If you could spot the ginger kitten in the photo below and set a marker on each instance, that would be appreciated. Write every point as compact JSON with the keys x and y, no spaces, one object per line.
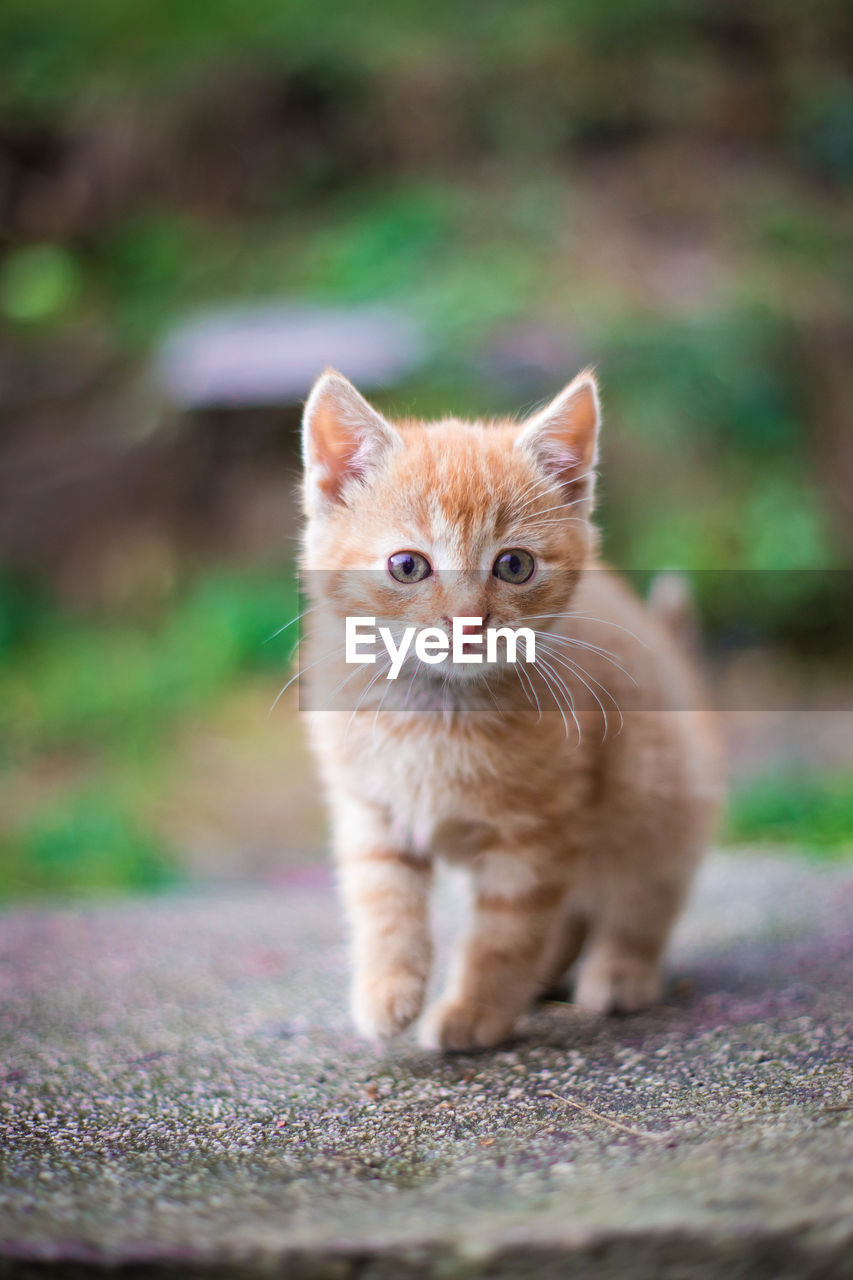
{"x":577,"y":792}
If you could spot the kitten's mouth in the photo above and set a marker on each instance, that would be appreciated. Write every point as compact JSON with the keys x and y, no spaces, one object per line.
{"x":467,"y":673}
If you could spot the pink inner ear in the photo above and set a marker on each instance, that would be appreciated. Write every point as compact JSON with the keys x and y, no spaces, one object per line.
{"x":344,"y":437}
{"x":347,"y":460}
{"x":558,"y":458}
{"x":361,"y":457}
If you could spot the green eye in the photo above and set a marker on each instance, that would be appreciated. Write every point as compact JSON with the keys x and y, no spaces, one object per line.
{"x":409,"y":566}
{"x":514,"y":565}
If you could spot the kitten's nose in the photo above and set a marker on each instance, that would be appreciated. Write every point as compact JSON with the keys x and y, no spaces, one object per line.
{"x":468,"y":628}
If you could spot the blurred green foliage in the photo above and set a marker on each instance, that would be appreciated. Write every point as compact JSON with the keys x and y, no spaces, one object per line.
{"x":718,"y":394}
{"x":38,"y":284}
{"x":55,"y":52}
{"x":813,"y":812}
{"x":106,"y":697}
{"x":88,"y":842}
{"x":76,"y":682}
{"x":461,"y":261}
{"x":445,"y":154}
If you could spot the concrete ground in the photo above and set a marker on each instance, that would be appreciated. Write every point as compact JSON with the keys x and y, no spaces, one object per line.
{"x":181,"y":1095}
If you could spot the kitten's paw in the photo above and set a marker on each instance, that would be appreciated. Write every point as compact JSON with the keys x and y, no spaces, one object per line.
{"x":383,"y":1007}
{"x":623,"y":988}
{"x":454,"y":1025}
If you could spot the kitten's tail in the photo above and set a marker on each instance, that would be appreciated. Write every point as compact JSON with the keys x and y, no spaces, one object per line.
{"x":671,"y":600}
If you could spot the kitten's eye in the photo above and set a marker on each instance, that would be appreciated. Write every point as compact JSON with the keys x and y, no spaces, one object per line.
{"x":409,"y":566}
{"x":514,"y":565}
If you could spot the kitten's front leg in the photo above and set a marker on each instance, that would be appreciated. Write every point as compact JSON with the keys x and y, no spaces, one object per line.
{"x":500,"y":969}
{"x":386,"y":895}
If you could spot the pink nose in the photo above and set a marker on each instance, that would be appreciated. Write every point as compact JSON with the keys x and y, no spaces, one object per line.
{"x":469,"y":628}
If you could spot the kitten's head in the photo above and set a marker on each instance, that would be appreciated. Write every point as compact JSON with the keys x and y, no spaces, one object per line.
{"x":429,"y":521}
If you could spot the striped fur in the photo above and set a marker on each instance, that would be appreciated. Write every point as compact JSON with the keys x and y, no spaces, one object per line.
{"x":573,"y":839}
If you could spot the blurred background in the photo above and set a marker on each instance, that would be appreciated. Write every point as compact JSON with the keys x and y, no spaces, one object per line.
{"x":459,"y":204}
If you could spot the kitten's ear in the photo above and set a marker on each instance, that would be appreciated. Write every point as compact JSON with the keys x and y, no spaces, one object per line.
{"x":563,"y":437}
{"x":342,"y":438}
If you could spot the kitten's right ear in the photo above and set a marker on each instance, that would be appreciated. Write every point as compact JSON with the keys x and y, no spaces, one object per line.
{"x":563,"y":437}
{"x":342,"y":439}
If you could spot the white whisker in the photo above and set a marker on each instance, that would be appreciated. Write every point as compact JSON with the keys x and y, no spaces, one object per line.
{"x":563,"y":506}
{"x":581,"y":673}
{"x":591,"y":648}
{"x":571,"y":702}
{"x":551,"y":521}
{"x":344,"y":682}
{"x":298,"y":617}
{"x":388,"y":684}
{"x":550,"y":486}
{"x":334,"y":652}
{"x":550,"y":689}
{"x":587,"y":617}
{"x":365,"y":691}
{"x":528,"y":681}
{"x":411,"y":683}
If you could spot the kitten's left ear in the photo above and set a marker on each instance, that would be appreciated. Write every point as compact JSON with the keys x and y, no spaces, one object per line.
{"x":343,"y":438}
{"x":563,"y":437}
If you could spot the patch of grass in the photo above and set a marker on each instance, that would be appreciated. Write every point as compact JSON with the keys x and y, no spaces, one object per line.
{"x":87,"y":710}
{"x":99,"y":684}
{"x":85,"y":842}
{"x":459,"y":258}
{"x":813,"y":812}
{"x":721,"y":377}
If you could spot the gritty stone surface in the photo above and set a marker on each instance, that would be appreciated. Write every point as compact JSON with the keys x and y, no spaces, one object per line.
{"x":182,"y":1095}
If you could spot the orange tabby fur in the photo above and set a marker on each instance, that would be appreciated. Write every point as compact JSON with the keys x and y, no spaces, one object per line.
{"x":575,"y":848}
